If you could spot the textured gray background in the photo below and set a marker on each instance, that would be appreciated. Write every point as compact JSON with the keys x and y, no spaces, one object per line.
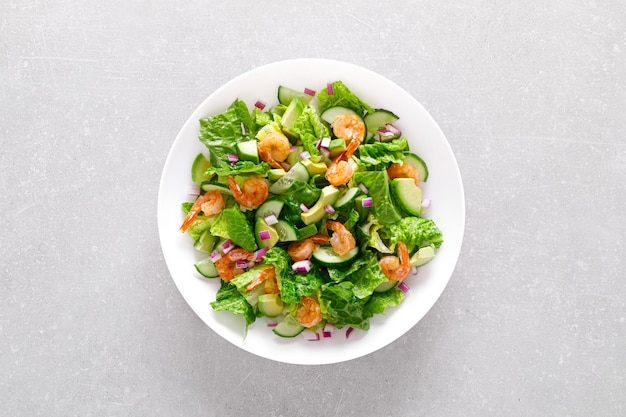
{"x":531,"y":97}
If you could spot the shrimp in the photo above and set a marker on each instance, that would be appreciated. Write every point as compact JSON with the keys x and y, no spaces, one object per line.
{"x":339,"y":172}
{"x":342,"y":240}
{"x":309,"y":312}
{"x":252,"y":193}
{"x":403,"y":171}
{"x":267,"y":274}
{"x":303,"y":249}
{"x":270,"y":286}
{"x":396,"y":268}
{"x":209,"y":203}
{"x":274,"y":148}
{"x":227,"y":264}
{"x":349,"y":128}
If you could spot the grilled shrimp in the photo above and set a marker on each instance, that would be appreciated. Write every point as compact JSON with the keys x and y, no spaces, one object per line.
{"x":274,"y":148}
{"x":252,"y":193}
{"x":396,"y":268}
{"x":309,"y":312}
{"x":403,"y":171}
{"x":227,"y":264}
{"x":303,"y":249}
{"x":210,"y":203}
{"x":342,"y":240}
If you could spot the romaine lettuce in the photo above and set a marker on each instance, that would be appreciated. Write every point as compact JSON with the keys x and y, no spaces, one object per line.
{"x":279,"y":258}
{"x":415,"y":232}
{"x":295,"y":285}
{"x":310,"y":129}
{"x":341,"y":307}
{"x":368,"y":277}
{"x":381,"y":300}
{"x":228,"y":298}
{"x":383,"y":152}
{"x":378,"y":184}
{"x":241,"y":167}
{"x":232,"y":224}
{"x":342,"y":96}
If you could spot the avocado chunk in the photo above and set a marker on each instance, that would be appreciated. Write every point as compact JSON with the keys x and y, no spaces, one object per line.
{"x":248,"y":151}
{"x":422,"y":256}
{"x":262,"y":226}
{"x":336,"y":147}
{"x":328,"y":197}
{"x":270,"y":305}
{"x":314,"y":168}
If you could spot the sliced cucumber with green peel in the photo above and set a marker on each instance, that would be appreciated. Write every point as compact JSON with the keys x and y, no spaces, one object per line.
{"x":207,"y":268}
{"x":348,"y":197}
{"x":329,"y":115}
{"x":272,"y":206}
{"x":294,"y":157}
{"x":288,"y":327}
{"x":325,"y":255}
{"x":198,"y":168}
{"x":286,"y":95}
{"x":248,"y":151}
{"x":418,"y":163}
{"x":378,"y":120}
{"x":206,"y":242}
{"x":275,"y":174}
{"x":293,"y":111}
{"x":407,"y":195}
{"x":385,"y":286}
{"x":286,"y":231}
{"x":298,"y":172}
{"x":216,"y":186}
{"x":270,"y":305}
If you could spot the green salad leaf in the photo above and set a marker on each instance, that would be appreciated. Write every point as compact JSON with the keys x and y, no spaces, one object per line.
{"x":241,"y":167}
{"x":228,"y":298}
{"x":221,"y":132}
{"x":244,"y":279}
{"x":340,"y":274}
{"x":280,"y":259}
{"x":379,"y":301}
{"x":383,"y":152}
{"x":378,"y":184}
{"x":368,"y":277}
{"x":294,"y":286}
{"x":310,"y":129}
{"x":344,"y":97}
{"x":232,"y":224}
{"x":341,"y":307}
{"x":415,"y":232}
{"x":199,"y":225}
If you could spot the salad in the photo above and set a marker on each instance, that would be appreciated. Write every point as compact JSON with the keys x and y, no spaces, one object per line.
{"x":310,"y":211}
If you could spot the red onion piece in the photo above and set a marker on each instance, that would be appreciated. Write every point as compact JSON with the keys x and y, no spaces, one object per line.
{"x":193,"y":189}
{"x":367,"y":202}
{"x":363,"y":188}
{"x":304,"y":208}
{"x":391,"y":128}
{"x":305,"y":155}
{"x":349,"y":332}
{"x":311,"y":336}
{"x":242,"y":263}
{"x":325,"y":142}
{"x":325,"y":152}
{"x":232,"y":157}
{"x":309,"y":92}
{"x":426,"y":203}
{"x":215,"y":256}
{"x":264,"y":234}
{"x":272,"y":322}
{"x":271,"y":219}
{"x":403,"y":287}
{"x":260,"y":253}
{"x":329,"y":209}
{"x":293,"y":149}
{"x":329,"y":89}
{"x":259,"y":105}
{"x":302,"y":266}
{"x":318,"y":145}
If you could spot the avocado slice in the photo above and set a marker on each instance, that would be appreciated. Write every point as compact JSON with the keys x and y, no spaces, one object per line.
{"x":328,"y":197}
{"x":260,"y":226}
{"x":314,"y":168}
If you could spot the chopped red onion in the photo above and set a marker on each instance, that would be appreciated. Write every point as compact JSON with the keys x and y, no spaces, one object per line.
{"x":414,"y":270}
{"x":227,"y":246}
{"x":232,"y":157}
{"x":305,"y":155}
{"x":391,"y":128}
{"x":349,"y":331}
{"x":271,"y":219}
{"x":304,"y":208}
{"x":325,"y":152}
{"x":215,"y":256}
{"x":329,"y":327}
{"x":385,"y":133}
{"x":309,"y":92}
{"x":260,"y":253}
{"x":293,"y":149}
{"x":311,"y":336}
{"x":426,"y":203}
{"x":272,"y":322}
{"x":285,"y":166}
{"x":242,"y":263}
{"x":329,"y":209}
{"x":363,"y":188}
{"x":329,"y":89}
{"x":302,"y":266}
{"x":259,"y":105}
{"x":367,"y":202}
{"x":318,"y":145}
{"x":403,"y":287}
{"x":325,"y":142}
{"x":264,"y":234}
{"x":327,"y":335}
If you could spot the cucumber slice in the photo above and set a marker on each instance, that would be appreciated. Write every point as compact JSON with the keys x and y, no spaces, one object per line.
{"x":275,"y":174}
{"x":325,"y":255}
{"x":216,"y":186}
{"x":207,"y":268}
{"x":306,"y":231}
{"x":418,"y":163}
{"x":298,"y":172}
{"x":348,"y":197}
{"x":407,"y":195}
{"x":198,"y":168}
{"x":206,"y":242}
{"x":378,"y":120}
{"x":422,"y":256}
{"x":286,"y":231}
{"x":272,"y":206}
{"x":288,"y":327}
{"x":270,"y":305}
{"x":261,"y":226}
{"x":286,"y":95}
{"x":248,"y":151}
{"x":293,"y":111}
{"x":294,"y":157}
{"x":329,"y":115}
{"x":385,"y":286}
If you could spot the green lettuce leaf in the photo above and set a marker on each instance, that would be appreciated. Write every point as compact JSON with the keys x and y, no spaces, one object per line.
{"x":186,"y":206}
{"x":295,"y":285}
{"x":341,"y":307}
{"x":241,"y":167}
{"x":244,"y":279}
{"x":199,"y":225}
{"x":310,"y":129}
{"x":221,"y":132}
{"x":378,"y":184}
{"x":298,"y":193}
{"x":228,"y":298}
{"x":415,"y":232}
{"x":383,"y":152}
{"x":381,"y":300}
{"x":368,"y":277}
{"x":342,"y":96}
{"x":340,"y":274}
{"x":239,"y":229}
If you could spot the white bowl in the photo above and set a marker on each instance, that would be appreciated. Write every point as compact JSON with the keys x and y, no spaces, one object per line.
{"x":444,"y":187}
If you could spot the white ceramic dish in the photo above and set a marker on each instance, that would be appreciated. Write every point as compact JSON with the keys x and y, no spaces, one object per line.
{"x":444,"y":187}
